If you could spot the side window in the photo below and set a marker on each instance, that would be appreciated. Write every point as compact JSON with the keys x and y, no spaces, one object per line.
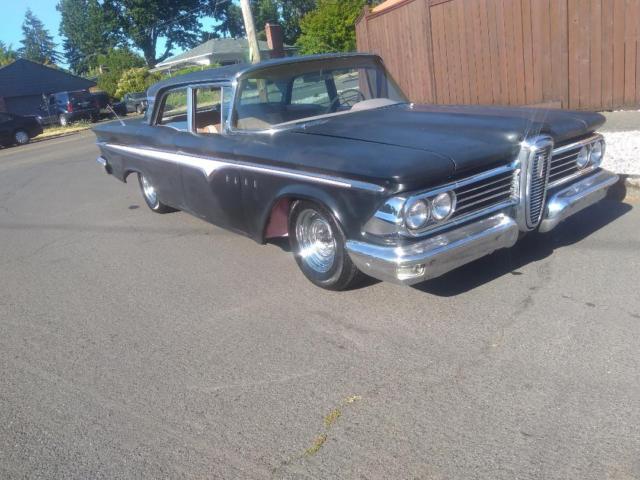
{"x":208,"y":107}
{"x":310,"y":91}
{"x":261,"y":91}
{"x":173,"y":112}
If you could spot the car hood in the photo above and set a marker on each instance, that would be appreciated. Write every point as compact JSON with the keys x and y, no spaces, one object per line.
{"x":472,"y":137}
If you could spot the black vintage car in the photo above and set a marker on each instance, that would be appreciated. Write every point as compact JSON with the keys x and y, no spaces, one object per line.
{"x":17,"y":130}
{"x":135,"y":102}
{"x":328,"y":151}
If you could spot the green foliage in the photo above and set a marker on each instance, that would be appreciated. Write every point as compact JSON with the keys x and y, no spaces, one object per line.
{"x":37,"y":44}
{"x":285,"y":12}
{"x":143,"y":22}
{"x":330,"y":27}
{"x":7,"y":54}
{"x":135,"y":80}
{"x":185,"y":70}
{"x":112,"y":65}
{"x":88,"y":29}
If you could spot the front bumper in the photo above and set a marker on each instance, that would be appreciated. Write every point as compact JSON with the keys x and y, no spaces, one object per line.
{"x":441,"y":253}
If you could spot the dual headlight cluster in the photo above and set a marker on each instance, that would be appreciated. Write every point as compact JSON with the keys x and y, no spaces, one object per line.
{"x":422,"y":211}
{"x":591,"y":155}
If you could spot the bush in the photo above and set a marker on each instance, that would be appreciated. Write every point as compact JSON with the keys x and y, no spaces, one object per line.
{"x":136,"y":80}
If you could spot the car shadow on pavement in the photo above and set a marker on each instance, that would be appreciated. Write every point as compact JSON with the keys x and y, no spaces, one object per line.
{"x":531,"y":248}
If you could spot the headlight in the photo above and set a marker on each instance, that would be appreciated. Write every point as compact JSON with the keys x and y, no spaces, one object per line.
{"x":583,"y":157}
{"x":442,"y":206}
{"x":417,"y":214}
{"x":597,"y":152}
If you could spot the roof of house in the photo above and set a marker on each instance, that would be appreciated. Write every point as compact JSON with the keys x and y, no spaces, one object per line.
{"x":216,"y":46}
{"x":231,"y":72}
{"x":24,"y":77}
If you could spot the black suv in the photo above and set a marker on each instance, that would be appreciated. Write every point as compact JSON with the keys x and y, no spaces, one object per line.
{"x":136,"y":102}
{"x":66,"y":107}
{"x":17,"y":130}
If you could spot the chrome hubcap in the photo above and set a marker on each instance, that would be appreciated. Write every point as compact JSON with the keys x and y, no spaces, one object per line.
{"x":148,"y":191}
{"x":22,"y":137}
{"x":316,"y":241}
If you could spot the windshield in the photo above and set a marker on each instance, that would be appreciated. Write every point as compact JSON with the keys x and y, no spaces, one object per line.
{"x":308,"y":90}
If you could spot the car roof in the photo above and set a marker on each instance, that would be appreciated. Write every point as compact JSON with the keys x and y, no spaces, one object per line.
{"x":231,"y":72}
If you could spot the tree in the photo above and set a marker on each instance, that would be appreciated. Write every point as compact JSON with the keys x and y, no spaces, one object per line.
{"x":89,"y":29}
{"x":292,"y":13}
{"x":7,"y":54}
{"x":144,"y":22}
{"x":136,"y":80}
{"x":37,"y":44}
{"x":112,"y":65}
{"x":330,"y":27}
{"x":285,"y":12}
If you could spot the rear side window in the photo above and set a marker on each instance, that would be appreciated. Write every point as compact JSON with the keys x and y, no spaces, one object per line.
{"x":173,"y":110}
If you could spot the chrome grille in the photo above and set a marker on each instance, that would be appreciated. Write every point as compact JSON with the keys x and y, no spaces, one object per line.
{"x":563,"y":162}
{"x":564,"y":165}
{"x":538,"y":172}
{"x":484,"y":193}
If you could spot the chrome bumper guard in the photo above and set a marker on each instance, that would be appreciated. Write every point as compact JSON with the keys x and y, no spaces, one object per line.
{"x":104,"y":164}
{"x":437,"y":255}
{"x":577,"y":196}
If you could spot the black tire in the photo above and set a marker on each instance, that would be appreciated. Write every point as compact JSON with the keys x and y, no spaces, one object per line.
{"x":139,"y":109}
{"x":21,"y":137}
{"x":342,"y":274}
{"x":153,"y":202}
{"x":63,"y":121}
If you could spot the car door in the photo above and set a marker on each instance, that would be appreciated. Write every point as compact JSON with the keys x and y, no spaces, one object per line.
{"x":6,"y":128}
{"x":212,"y":185}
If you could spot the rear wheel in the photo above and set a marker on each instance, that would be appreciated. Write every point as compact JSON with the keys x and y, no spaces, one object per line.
{"x":319,"y":248}
{"x":63,"y":121}
{"x":151,"y":196}
{"x":139,"y":109}
{"x":21,"y":137}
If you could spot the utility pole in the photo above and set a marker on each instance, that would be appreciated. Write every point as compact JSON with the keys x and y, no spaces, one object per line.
{"x":254,"y":49}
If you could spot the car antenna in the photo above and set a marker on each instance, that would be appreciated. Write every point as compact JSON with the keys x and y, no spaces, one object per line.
{"x":114,"y":112}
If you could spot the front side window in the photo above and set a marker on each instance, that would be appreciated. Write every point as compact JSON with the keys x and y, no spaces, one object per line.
{"x":300,"y":91}
{"x":208,"y":110}
{"x":173,"y":111}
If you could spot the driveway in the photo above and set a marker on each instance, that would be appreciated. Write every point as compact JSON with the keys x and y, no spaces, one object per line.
{"x":136,"y":345}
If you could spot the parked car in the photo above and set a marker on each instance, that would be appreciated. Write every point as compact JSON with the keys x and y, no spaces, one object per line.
{"x":18,"y":130}
{"x":328,"y":152}
{"x":66,"y":107}
{"x":108,"y":106}
{"x":136,"y":102}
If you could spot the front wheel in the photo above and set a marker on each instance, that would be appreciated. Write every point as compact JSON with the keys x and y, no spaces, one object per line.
{"x":151,"y":196}
{"x":21,"y":137}
{"x":319,"y":248}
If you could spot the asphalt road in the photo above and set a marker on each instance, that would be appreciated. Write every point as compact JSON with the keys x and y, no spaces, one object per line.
{"x":136,"y":345}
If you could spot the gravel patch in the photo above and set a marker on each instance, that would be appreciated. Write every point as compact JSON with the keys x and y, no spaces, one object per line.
{"x":623,"y":152}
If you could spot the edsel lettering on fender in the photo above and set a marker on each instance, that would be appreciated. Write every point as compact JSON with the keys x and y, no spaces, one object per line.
{"x":327,"y":151}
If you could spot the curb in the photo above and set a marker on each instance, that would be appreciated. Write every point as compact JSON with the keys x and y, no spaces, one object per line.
{"x":60,"y":135}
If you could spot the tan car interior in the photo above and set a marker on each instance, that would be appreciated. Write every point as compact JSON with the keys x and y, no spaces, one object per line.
{"x":208,"y":121}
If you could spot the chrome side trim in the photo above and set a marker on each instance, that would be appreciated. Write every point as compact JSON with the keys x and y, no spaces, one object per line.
{"x":210,"y":165}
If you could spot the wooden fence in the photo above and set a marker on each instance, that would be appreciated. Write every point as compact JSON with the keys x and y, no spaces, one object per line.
{"x":579,"y":54}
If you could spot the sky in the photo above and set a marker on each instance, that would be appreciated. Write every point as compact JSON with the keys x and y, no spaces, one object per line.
{"x":13,"y":15}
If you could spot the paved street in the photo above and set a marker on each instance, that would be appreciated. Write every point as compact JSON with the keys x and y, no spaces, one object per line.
{"x":136,"y":345}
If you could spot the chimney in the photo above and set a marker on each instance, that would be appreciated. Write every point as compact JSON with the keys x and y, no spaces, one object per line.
{"x":274,"y":39}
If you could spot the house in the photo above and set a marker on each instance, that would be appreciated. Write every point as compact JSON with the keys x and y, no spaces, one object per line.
{"x":228,"y":51}
{"x":23,"y":83}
